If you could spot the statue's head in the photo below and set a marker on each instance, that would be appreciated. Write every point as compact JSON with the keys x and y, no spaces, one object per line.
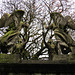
{"x":68,"y":18}
{"x":19,"y":13}
{"x":4,"y":19}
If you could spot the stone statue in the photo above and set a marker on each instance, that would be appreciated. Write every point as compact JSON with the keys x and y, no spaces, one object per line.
{"x":60,"y":25}
{"x":10,"y":38}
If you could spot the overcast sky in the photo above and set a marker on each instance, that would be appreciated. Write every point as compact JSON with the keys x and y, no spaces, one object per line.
{"x":70,"y":2}
{"x":0,"y":2}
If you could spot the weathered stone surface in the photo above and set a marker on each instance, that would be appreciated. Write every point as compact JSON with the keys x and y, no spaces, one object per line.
{"x":58,"y":59}
{"x":9,"y":58}
{"x":61,"y":57}
{"x":69,"y":59}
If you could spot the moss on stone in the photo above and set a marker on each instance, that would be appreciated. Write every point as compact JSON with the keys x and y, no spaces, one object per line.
{"x":6,"y":35}
{"x":9,"y":58}
{"x":11,"y":26}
